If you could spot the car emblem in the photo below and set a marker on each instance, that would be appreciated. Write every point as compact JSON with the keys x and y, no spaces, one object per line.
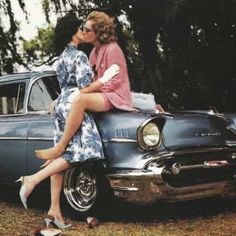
{"x":175,"y":168}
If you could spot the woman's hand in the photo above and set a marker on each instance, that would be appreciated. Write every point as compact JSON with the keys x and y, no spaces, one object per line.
{"x":109,"y":73}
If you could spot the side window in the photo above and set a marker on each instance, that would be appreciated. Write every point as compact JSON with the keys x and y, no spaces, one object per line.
{"x":12,"y":98}
{"x":43,"y":92}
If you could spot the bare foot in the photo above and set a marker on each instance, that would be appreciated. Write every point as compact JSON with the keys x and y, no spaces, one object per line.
{"x":50,"y":153}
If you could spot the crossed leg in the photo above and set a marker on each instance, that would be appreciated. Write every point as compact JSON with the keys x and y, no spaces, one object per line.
{"x":94,"y":102}
{"x":56,"y":187}
{"x":31,"y":181}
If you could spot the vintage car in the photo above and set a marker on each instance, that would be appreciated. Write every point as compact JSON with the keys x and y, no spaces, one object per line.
{"x":151,"y":156}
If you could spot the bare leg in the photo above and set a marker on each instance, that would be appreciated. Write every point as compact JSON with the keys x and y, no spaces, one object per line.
{"x":54,"y":167}
{"x":81,"y":103}
{"x":56,"y":186}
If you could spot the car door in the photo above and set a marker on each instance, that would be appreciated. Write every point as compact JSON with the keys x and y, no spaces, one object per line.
{"x":13,"y":130}
{"x":42,"y":91}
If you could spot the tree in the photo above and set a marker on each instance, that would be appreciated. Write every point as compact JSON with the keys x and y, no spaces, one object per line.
{"x":183,"y":51}
{"x":201,"y":45}
{"x":40,"y":50}
{"x":9,"y":38}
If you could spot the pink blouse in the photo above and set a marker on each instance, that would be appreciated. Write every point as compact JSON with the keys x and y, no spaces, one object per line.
{"x":117,"y":89}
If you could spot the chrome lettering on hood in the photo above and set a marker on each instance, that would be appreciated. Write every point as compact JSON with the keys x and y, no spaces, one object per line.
{"x":207,"y":134}
{"x":121,"y":133}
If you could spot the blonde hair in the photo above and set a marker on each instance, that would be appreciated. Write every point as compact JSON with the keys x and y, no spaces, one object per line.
{"x":104,"y":26}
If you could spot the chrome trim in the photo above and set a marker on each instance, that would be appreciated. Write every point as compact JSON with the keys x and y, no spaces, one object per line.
{"x":152,"y":157}
{"x":136,"y":186}
{"x":41,"y":121}
{"x":221,"y":188}
{"x":32,"y":81}
{"x":40,"y":139}
{"x":80,"y":189}
{"x":207,"y":165}
{"x":148,"y":186}
{"x":130,"y":189}
{"x":121,"y":140}
{"x":155,"y":156}
{"x":198,"y":150}
{"x":134,"y":173}
{"x":233,"y":156}
{"x":13,"y":138}
{"x":113,"y":140}
{"x":139,"y":135}
{"x":231,"y":128}
{"x":12,"y":115}
{"x":40,"y":112}
{"x":230,"y":143}
{"x":24,"y":121}
{"x":24,"y":81}
{"x":207,"y":134}
{"x":175,"y":168}
{"x":15,"y":121}
{"x":216,"y":163}
{"x":27,"y":138}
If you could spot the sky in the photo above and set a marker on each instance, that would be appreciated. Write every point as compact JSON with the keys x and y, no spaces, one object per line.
{"x":35,"y":15}
{"x":28,"y":30}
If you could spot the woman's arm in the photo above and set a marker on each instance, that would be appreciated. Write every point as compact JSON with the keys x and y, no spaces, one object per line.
{"x":95,"y":86}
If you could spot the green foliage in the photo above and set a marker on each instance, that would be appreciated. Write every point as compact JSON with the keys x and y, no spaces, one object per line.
{"x":183,"y":51}
{"x":9,"y":38}
{"x":200,"y":46}
{"x":41,"y":46}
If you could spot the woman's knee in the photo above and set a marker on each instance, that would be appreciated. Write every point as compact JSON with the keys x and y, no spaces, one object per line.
{"x":80,"y":100}
{"x":91,"y":102}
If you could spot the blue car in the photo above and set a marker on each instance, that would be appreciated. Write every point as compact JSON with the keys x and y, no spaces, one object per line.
{"x":151,"y":156}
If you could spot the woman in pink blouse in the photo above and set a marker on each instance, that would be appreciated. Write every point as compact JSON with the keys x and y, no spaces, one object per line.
{"x":99,"y":29}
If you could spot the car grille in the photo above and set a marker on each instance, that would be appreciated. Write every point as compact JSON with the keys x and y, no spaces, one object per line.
{"x":199,"y":168}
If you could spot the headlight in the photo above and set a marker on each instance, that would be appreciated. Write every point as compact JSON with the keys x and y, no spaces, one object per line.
{"x":149,"y":136}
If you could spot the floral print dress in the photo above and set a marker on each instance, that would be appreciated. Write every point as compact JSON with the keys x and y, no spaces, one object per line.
{"x":74,"y":72}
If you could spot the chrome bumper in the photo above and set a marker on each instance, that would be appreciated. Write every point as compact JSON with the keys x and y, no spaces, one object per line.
{"x":148,"y":186}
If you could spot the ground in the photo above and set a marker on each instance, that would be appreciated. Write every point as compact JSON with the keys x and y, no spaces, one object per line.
{"x":213,"y":216}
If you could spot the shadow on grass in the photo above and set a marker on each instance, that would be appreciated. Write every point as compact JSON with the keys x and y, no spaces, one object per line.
{"x":170,"y":211}
{"x":113,"y":211}
{"x":162,"y":212}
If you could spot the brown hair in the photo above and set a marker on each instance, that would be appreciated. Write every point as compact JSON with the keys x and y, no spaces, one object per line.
{"x":104,"y":26}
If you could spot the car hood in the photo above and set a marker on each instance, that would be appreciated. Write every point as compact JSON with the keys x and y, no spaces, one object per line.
{"x":185,"y":130}
{"x":196,"y":130}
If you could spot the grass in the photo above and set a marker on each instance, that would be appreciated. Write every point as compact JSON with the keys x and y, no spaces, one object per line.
{"x":214,"y":216}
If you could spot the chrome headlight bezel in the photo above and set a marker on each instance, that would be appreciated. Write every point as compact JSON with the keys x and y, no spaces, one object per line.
{"x":149,"y":136}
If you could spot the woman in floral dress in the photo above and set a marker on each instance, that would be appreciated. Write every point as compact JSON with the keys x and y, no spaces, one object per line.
{"x":74,"y":73}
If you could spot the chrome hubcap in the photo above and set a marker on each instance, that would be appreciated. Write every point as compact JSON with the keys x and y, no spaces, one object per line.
{"x":80,"y":189}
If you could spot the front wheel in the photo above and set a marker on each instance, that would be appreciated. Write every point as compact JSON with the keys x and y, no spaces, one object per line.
{"x":84,"y":187}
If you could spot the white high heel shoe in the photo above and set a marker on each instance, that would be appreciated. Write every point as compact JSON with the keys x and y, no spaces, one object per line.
{"x":22,"y":192}
{"x":49,"y":219}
